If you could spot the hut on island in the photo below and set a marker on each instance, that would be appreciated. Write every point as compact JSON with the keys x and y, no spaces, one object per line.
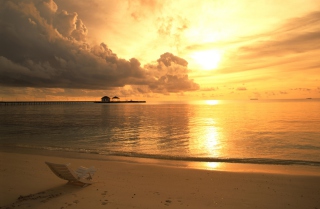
{"x":115,"y":98}
{"x":105,"y":99}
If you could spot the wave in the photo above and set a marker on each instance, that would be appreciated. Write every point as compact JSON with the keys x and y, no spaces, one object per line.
{"x":260,"y":161}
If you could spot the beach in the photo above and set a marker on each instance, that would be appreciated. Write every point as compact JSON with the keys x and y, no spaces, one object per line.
{"x":26,"y":182}
{"x":176,"y":104}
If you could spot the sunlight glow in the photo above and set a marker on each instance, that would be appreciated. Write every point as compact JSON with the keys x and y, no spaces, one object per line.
{"x":207,"y":60}
{"x":212,"y":165}
{"x":206,"y":136}
{"x":212,"y":102}
{"x":211,"y":139}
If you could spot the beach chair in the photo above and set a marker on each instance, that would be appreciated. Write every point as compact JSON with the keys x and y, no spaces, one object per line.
{"x":82,"y":176}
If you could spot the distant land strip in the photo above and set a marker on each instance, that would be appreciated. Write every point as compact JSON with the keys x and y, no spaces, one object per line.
{"x":9,"y":103}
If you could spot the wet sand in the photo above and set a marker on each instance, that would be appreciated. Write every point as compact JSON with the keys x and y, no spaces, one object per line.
{"x":26,"y":182}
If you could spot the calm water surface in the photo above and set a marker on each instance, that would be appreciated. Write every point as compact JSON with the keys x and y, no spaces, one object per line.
{"x":262,"y":132}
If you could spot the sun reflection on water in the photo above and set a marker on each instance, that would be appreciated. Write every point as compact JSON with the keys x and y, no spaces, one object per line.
{"x":212,"y":102}
{"x":206,"y":135}
{"x":211,"y":139}
{"x":212,"y":165}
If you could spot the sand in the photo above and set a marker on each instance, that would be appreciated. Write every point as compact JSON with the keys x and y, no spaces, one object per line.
{"x":26,"y":182}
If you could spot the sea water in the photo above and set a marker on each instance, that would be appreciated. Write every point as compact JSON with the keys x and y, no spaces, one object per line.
{"x":253,"y":131}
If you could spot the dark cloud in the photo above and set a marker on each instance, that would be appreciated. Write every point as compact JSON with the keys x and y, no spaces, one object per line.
{"x":171,"y":75}
{"x":43,"y":47}
{"x":167,"y":59}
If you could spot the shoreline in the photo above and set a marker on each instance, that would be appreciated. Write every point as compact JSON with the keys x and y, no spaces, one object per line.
{"x":122,"y":182}
{"x":200,"y":165}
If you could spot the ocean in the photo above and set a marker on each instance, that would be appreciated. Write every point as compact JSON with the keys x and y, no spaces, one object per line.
{"x":273,"y":132}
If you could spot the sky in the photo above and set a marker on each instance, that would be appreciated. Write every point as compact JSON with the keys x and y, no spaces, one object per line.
{"x":159,"y":49}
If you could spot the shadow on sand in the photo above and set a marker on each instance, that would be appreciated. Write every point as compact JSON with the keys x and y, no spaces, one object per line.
{"x":34,"y":200}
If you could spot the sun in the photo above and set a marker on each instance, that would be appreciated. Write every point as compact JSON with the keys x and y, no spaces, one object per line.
{"x":207,"y":60}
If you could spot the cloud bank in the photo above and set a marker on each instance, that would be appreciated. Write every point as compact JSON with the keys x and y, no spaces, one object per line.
{"x":44,"y":47}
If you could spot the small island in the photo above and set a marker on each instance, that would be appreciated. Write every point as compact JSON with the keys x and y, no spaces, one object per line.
{"x":116,"y":99}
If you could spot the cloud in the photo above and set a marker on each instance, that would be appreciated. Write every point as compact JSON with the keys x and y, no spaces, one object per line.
{"x":173,"y":27}
{"x":42,"y":47}
{"x":171,"y":75}
{"x":297,"y":35}
{"x":301,"y":89}
{"x":241,"y":88}
{"x":292,"y":46}
{"x":168,"y":59}
{"x":139,"y":8}
{"x":297,"y":43}
{"x":283,"y":92}
{"x":210,"y":89}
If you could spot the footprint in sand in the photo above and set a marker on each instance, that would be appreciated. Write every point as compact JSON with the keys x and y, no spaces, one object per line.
{"x":167,"y":202}
{"x":104,"y":202}
{"x":67,"y":204}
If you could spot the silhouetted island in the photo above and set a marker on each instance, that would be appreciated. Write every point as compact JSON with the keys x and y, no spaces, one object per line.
{"x":116,"y":99}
